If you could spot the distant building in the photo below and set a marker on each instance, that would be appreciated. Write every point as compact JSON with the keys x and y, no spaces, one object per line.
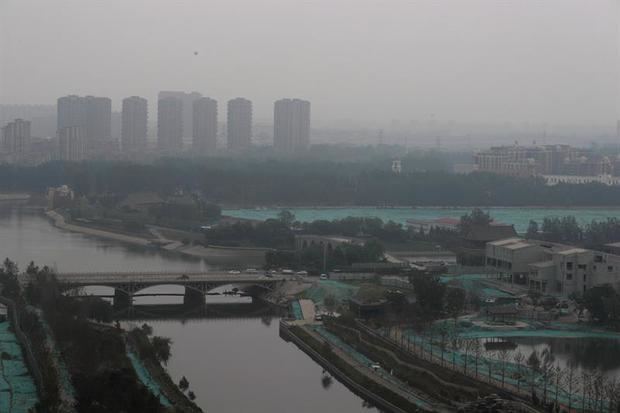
{"x":71,"y":144}
{"x":16,"y":140}
{"x":188,"y":99}
{"x":239,"y":125}
{"x":170,"y":125}
{"x":473,"y":244}
{"x":604,"y":179}
{"x":42,"y":117}
{"x":397,"y":167}
{"x":291,"y":125}
{"x":204,"y":126}
{"x":60,"y":197}
{"x":330,"y":242}
{"x":552,"y":162}
{"x":446,"y":223}
{"x":90,"y":113}
{"x":551,"y":268}
{"x":134,"y":125}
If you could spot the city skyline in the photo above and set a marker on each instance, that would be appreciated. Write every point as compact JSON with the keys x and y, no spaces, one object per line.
{"x":481,"y":60}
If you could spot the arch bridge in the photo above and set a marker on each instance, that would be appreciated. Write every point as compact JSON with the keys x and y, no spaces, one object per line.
{"x":196,"y":284}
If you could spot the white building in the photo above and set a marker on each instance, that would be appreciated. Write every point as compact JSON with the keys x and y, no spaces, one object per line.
{"x":605,"y":179}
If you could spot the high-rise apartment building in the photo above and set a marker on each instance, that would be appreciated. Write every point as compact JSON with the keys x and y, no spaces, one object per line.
{"x":92,"y":114}
{"x":134,"y":125}
{"x":170,"y":124}
{"x":204,"y":126}
{"x":16,"y":140}
{"x":291,"y":125}
{"x":239,"y":126}
{"x":71,"y":144}
{"x":188,"y":99}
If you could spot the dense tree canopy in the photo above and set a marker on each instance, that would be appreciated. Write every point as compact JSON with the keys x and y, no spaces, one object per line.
{"x":303,"y":182}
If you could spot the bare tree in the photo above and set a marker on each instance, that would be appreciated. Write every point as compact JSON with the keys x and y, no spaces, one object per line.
{"x":558,"y":373}
{"x":443,"y":340}
{"x":455,"y":343}
{"x":478,"y":350}
{"x":468,"y":347}
{"x":571,"y":383}
{"x":519,"y":358}
{"x":546,"y":370}
{"x":503,"y":355}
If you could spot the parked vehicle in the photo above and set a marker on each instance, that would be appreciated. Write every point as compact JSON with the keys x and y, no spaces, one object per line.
{"x":234,"y":272}
{"x":302,"y":273}
{"x":323,"y":277}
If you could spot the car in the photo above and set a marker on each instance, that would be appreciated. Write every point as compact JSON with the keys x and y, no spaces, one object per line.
{"x":375,"y":366}
{"x":268,"y":274}
{"x":302,"y":273}
{"x":251,"y":271}
{"x":287,"y":272}
{"x":234,"y":272}
{"x":318,"y":317}
{"x":323,"y":277}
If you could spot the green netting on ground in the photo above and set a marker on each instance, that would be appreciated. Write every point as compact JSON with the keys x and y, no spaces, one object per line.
{"x":504,"y":373}
{"x":365,"y":361}
{"x":296,"y":310}
{"x":146,"y":379}
{"x":339,"y":290}
{"x":18,"y":393}
{"x":475,"y":283}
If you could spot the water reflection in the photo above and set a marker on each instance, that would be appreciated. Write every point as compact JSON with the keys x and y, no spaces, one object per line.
{"x":583,"y":353}
{"x":231,"y":353}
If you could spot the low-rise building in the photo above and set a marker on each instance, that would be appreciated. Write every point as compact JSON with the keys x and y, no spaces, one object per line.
{"x":425,"y":225}
{"x":330,"y":242}
{"x":551,"y":268}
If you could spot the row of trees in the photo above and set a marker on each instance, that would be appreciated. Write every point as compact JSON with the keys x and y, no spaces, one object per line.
{"x":95,"y":357}
{"x":538,"y":374}
{"x":567,"y":229}
{"x":302,"y":182}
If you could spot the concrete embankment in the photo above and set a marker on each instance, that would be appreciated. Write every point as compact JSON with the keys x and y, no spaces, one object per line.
{"x":379,"y":401}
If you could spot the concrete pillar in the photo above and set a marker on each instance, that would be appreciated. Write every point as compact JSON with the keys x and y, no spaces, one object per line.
{"x":193,"y":297}
{"x":122,"y":299}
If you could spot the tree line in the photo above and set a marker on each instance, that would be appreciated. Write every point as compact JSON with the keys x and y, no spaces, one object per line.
{"x":303,"y":182}
{"x":568,"y":230}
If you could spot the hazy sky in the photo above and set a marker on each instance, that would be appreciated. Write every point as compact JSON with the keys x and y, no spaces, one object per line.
{"x":489,"y":60}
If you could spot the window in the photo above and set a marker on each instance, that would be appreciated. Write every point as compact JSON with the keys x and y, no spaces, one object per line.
{"x":569,"y":276}
{"x":584,"y":278}
{"x":610,"y":268}
{"x":582,"y":266}
{"x":569,"y":265}
{"x":598,"y":258}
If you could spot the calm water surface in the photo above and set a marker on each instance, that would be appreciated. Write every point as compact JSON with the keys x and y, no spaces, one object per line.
{"x":232,"y":364}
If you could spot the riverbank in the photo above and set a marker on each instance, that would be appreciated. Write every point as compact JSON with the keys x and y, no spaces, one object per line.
{"x":213,"y":254}
{"x":370,"y":388}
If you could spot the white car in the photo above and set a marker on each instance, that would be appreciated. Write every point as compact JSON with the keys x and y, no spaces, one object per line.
{"x":323,"y":277}
{"x":302,"y":273}
{"x":251,"y":271}
{"x":234,"y":272}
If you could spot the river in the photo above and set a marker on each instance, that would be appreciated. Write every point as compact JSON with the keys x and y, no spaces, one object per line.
{"x":237,"y":364}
